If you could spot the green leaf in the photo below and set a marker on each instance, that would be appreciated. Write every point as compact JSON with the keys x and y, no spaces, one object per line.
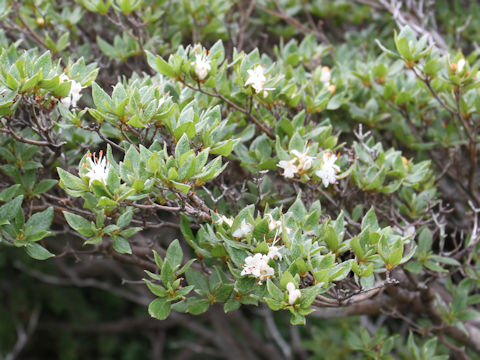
{"x":37,"y":251}
{"x":38,"y":235}
{"x":71,"y":181}
{"x":164,"y":68}
{"x":154,"y":163}
{"x":174,"y":254}
{"x":40,"y":221}
{"x":44,"y":63}
{"x":44,"y":186}
{"x":182,"y":147}
{"x":156,"y":289}
{"x":8,"y":193}
{"x":101,"y":99}
{"x":232,"y":305}
{"x":125,"y":219}
{"x":414,"y":267}
{"x":286,"y":278}
{"x":275,"y":305}
{"x":121,"y":245}
{"x":331,"y":238}
{"x":298,"y":209}
{"x":196,"y":279}
{"x":113,"y":181}
{"x":224,"y":293}
{"x":385,"y":50}
{"x":167,"y":274}
{"x":296,"y":143}
{"x":224,"y":149}
{"x":425,"y":241}
{"x":158,"y":259}
{"x":308,"y":295}
{"x":182,"y":187}
{"x":434,"y":266}
{"x":159,"y":308}
{"x":274,"y":291}
{"x":198,"y":306}
{"x":340,"y":271}
{"x":105,"y":202}
{"x":370,"y":220}
{"x":444,"y":260}
{"x":261,"y":230}
{"x":403,"y":48}
{"x":187,"y":128}
{"x":395,"y":256}
{"x":297,"y":319}
{"x":10,"y":209}
{"x":130,"y":232}
{"x":83,"y":226}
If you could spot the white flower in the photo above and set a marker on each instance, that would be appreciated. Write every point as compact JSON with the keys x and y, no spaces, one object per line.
{"x":328,"y":170}
{"x":274,"y":252}
{"x":257,"y":79}
{"x":304,"y":161}
{"x":301,"y":162}
{"x":293,"y":293}
{"x":272,"y":223}
{"x":244,"y":229}
{"x":202,"y":66}
{"x":75,"y":92}
{"x":461,"y":64}
{"x":98,"y":168}
{"x":224,"y":219}
{"x":257,"y":266}
{"x":325,"y":75}
{"x":290,"y":169}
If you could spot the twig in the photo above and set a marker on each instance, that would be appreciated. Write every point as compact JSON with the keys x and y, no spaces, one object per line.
{"x":232,"y":104}
{"x":24,"y":335}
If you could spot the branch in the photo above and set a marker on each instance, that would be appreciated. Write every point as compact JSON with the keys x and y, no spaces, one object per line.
{"x":23,"y":336}
{"x":252,"y":117}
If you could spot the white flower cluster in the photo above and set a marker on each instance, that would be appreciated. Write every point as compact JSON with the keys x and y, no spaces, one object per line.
{"x":244,"y":229}
{"x":75,"y":92}
{"x":293,"y":293}
{"x":274,"y":252}
{"x":328,"y":170}
{"x":301,"y":163}
{"x":202,"y":66}
{"x":257,"y":265}
{"x":257,"y":79}
{"x":98,"y":168}
{"x":223,"y":219}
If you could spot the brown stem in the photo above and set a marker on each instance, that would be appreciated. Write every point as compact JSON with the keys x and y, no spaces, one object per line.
{"x":37,"y":38}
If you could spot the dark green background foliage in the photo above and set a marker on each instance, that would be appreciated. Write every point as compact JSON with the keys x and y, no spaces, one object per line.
{"x":332,"y":146}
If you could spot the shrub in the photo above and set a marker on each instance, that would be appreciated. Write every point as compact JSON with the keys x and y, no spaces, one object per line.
{"x":265,"y":158}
